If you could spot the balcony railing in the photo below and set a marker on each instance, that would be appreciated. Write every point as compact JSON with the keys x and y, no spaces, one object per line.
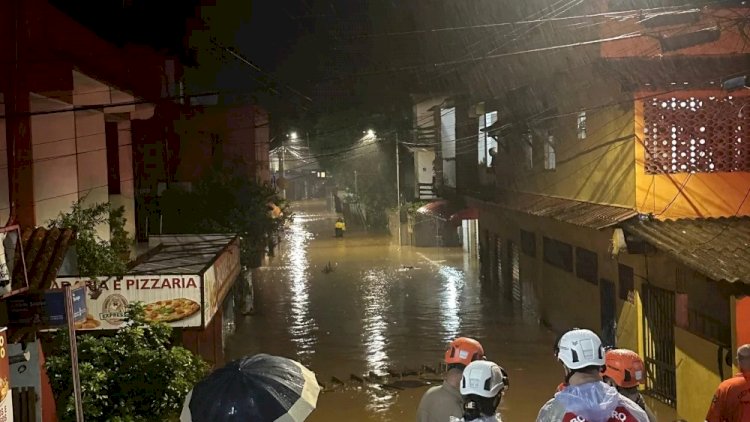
{"x":426,"y":191}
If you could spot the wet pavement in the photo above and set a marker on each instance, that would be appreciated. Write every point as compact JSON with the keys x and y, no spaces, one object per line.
{"x":385,"y":308}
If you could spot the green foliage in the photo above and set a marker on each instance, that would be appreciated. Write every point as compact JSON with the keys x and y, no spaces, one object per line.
{"x":97,"y":257}
{"x":225,"y":203}
{"x":412,"y":207}
{"x":134,"y":375}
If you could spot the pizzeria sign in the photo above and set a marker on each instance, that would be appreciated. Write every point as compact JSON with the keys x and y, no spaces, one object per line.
{"x":173,"y":299}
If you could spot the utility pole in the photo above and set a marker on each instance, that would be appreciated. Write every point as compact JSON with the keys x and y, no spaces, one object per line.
{"x":356,"y":189}
{"x":283,"y":170}
{"x":398,"y":191}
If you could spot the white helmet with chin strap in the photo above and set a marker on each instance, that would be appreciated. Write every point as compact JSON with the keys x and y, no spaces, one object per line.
{"x":580,"y":348}
{"x":483,"y":378}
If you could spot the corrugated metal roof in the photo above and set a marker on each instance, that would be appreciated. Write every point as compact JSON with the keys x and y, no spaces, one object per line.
{"x":719,"y":248}
{"x":579,"y":213}
{"x":182,"y":254}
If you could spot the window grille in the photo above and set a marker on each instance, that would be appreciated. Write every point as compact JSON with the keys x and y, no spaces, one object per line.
{"x":696,"y":134}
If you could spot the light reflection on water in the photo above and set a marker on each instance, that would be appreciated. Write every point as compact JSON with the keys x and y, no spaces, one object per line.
{"x":302,"y":324}
{"x":376,"y":304}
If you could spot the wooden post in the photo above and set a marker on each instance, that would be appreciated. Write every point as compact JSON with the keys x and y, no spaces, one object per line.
{"x":73,"y":351}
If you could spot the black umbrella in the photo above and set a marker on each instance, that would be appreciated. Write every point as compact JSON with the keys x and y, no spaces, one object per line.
{"x":261,"y":388}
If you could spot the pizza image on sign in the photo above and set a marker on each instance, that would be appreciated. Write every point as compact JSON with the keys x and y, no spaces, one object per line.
{"x":171,"y":310}
{"x":89,"y":323}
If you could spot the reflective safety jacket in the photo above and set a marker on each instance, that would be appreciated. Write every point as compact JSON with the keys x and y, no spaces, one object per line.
{"x":591,"y":402}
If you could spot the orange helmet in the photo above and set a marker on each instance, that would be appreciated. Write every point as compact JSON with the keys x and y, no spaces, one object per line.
{"x":625,"y":368}
{"x":463,"y":350}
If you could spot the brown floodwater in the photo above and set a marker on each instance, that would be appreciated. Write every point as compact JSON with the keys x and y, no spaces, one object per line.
{"x":386,"y":308}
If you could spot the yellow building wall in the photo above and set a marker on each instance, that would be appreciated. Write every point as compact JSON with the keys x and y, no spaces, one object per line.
{"x":597,"y":169}
{"x":681,"y":195}
{"x":697,"y":374}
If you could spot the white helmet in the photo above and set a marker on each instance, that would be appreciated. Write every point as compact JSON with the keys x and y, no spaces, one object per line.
{"x":483,"y":378}
{"x":580,"y":348}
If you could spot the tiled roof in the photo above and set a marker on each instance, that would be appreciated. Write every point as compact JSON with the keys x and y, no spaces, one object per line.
{"x":719,"y":248}
{"x":579,"y":213}
{"x":44,"y":251}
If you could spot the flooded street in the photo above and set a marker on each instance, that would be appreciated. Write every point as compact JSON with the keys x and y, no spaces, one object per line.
{"x":385,"y":309}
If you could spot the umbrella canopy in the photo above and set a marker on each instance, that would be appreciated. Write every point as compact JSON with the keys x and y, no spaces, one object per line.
{"x":261,"y":388}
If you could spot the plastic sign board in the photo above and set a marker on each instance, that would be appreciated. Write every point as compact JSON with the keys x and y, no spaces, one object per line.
{"x":6,"y":396}
{"x":173,"y":299}
{"x":45,"y":309}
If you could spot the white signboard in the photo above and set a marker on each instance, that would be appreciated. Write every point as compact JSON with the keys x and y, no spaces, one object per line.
{"x":219,"y":278}
{"x":174,"y":299}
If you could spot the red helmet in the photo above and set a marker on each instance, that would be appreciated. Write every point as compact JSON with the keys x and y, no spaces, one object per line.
{"x":464,"y":350}
{"x":625,"y":368}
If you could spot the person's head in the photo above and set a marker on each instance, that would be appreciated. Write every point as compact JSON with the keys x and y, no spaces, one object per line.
{"x":461,"y":352}
{"x":581,"y":352}
{"x":743,"y":357}
{"x":624,"y":369}
{"x":482,"y":386}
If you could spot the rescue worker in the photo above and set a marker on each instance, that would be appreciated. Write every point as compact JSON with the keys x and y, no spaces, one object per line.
{"x":586,"y":398}
{"x":731,"y":403}
{"x":441,"y":402}
{"x":340,"y":227}
{"x":625,"y":371}
{"x":482,"y":386}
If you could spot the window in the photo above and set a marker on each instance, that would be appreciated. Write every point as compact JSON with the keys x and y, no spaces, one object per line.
{"x":703,"y":307}
{"x":448,"y":145}
{"x":696,"y":134}
{"x":581,"y":125}
{"x":558,"y":254}
{"x":549,"y":153}
{"x":113,"y":157}
{"x":528,"y":243}
{"x":486,"y":142}
{"x":528,"y":150}
{"x":587,"y":265}
{"x":627,"y":283}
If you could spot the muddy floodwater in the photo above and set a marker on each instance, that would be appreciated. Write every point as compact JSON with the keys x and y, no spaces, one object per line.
{"x":381,"y":309}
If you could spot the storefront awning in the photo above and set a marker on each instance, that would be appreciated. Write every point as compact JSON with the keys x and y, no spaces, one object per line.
{"x":715,"y":247}
{"x":182,"y":281}
{"x":465,"y":214}
{"x":436,"y":209}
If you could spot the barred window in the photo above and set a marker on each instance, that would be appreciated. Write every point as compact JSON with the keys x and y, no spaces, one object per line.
{"x":587,"y":265}
{"x":558,"y":254}
{"x":528,"y":243}
{"x":696,"y":134}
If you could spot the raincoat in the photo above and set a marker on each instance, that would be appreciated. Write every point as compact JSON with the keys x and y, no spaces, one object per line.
{"x":591,"y":402}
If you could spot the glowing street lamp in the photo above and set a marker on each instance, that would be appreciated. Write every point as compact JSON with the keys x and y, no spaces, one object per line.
{"x":293,"y":136}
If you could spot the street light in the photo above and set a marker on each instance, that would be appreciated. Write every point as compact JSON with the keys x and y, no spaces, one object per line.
{"x":371,"y":135}
{"x":293,"y":136}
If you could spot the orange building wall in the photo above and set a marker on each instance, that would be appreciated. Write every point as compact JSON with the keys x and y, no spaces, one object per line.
{"x":742,"y":324}
{"x":685,"y":195}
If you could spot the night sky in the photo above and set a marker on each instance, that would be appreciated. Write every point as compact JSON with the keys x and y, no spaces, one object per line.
{"x":306,"y":48}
